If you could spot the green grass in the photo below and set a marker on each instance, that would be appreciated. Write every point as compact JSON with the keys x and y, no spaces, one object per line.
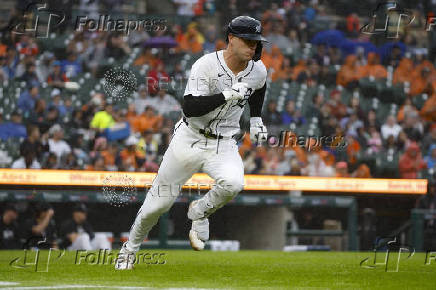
{"x":242,"y":270}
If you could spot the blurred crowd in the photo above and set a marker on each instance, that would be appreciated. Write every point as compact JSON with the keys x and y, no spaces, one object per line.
{"x":99,"y":135}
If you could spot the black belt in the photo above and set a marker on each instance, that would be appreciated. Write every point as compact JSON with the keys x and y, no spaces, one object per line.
{"x":205,"y":132}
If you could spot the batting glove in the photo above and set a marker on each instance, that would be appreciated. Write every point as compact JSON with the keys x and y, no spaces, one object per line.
{"x":258,"y":132}
{"x":237,"y":92}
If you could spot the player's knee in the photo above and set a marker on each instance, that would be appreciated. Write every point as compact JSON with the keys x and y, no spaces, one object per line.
{"x":234,"y":186}
{"x":159,"y":209}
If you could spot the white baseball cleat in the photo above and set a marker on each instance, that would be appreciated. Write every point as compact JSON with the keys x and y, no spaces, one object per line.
{"x":125,"y":260}
{"x":199,"y":234}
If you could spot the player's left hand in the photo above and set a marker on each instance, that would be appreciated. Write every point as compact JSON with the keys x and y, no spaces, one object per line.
{"x":258,"y":131}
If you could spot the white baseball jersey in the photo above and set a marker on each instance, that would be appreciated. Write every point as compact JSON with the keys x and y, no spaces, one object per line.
{"x":210,"y":75}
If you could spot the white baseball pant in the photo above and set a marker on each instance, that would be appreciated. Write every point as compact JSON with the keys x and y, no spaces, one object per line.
{"x":189,"y":152}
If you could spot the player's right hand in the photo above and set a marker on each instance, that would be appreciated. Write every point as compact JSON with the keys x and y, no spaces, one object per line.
{"x":237,"y":92}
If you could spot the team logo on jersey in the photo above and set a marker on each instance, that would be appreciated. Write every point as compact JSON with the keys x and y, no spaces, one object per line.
{"x":241,"y":103}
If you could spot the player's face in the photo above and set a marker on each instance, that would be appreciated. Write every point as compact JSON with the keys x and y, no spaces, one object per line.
{"x":244,"y":48}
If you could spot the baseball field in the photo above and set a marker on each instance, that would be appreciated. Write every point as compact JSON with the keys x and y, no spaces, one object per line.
{"x":179,"y":269}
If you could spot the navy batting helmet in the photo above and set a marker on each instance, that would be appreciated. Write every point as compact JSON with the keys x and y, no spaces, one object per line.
{"x":248,"y":28}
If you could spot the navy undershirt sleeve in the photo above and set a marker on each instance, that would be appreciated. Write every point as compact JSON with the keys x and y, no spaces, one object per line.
{"x":196,"y":106}
{"x":256,"y":101}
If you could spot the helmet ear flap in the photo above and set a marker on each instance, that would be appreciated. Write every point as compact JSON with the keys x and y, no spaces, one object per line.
{"x":258,"y":51}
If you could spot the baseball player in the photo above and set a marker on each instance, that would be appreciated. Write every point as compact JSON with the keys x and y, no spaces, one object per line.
{"x":219,"y":86}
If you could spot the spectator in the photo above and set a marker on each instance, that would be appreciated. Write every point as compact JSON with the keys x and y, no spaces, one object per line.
{"x":69,"y":162}
{"x":71,"y":66}
{"x":428,"y":111}
{"x":405,"y":109}
{"x":371,"y":120}
{"x":40,"y":231}
{"x":38,"y":114}
{"x":321,"y":56}
{"x":394,"y":57}
{"x":402,"y":72}
{"x":374,"y":142}
{"x":353,"y":25}
{"x":147,"y":121}
{"x":27,"y":46}
{"x":130,"y":157}
{"x":149,"y":147}
{"x":147,"y":58}
{"x":272,"y":116}
{"x":192,"y":40}
{"x":430,"y":159}
{"x":30,"y":76}
{"x":4,"y":76}
{"x":354,"y":108}
{"x":210,"y":35}
{"x":116,"y":47}
{"x":14,"y":128}
{"x":317,"y":167}
{"x":50,"y":119}
{"x":412,"y":126}
{"x":314,"y":109}
{"x":57,"y":102}
{"x":390,"y":128}
{"x":348,"y":74}
{"x":57,"y":78}
{"x":337,"y":108}
{"x":12,"y":61}
{"x":103,"y":119}
{"x":185,"y":7}
{"x":97,"y":164}
{"x":109,"y":156}
{"x":77,"y":234}
{"x":51,"y":161}
{"x":165,"y":103}
{"x":429,"y":139}
{"x":411,"y":162}
{"x":342,"y":169}
{"x":27,"y":161}
{"x":422,"y":84}
{"x":34,"y":142}
{"x":373,"y":68}
{"x":294,"y":42}
{"x":155,"y":78}
{"x":56,"y":144}
{"x":284,"y":72}
{"x":27,"y":99}
{"x":362,"y":171}
{"x":9,"y":229}
{"x":143,"y":100}
{"x":291,"y":115}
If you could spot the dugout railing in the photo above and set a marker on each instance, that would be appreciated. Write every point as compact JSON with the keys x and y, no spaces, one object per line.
{"x":419,"y":218}
{"x":91,"y":196}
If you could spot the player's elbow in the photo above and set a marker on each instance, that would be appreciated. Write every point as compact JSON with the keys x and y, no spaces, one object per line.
{"x":191,"y":107}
